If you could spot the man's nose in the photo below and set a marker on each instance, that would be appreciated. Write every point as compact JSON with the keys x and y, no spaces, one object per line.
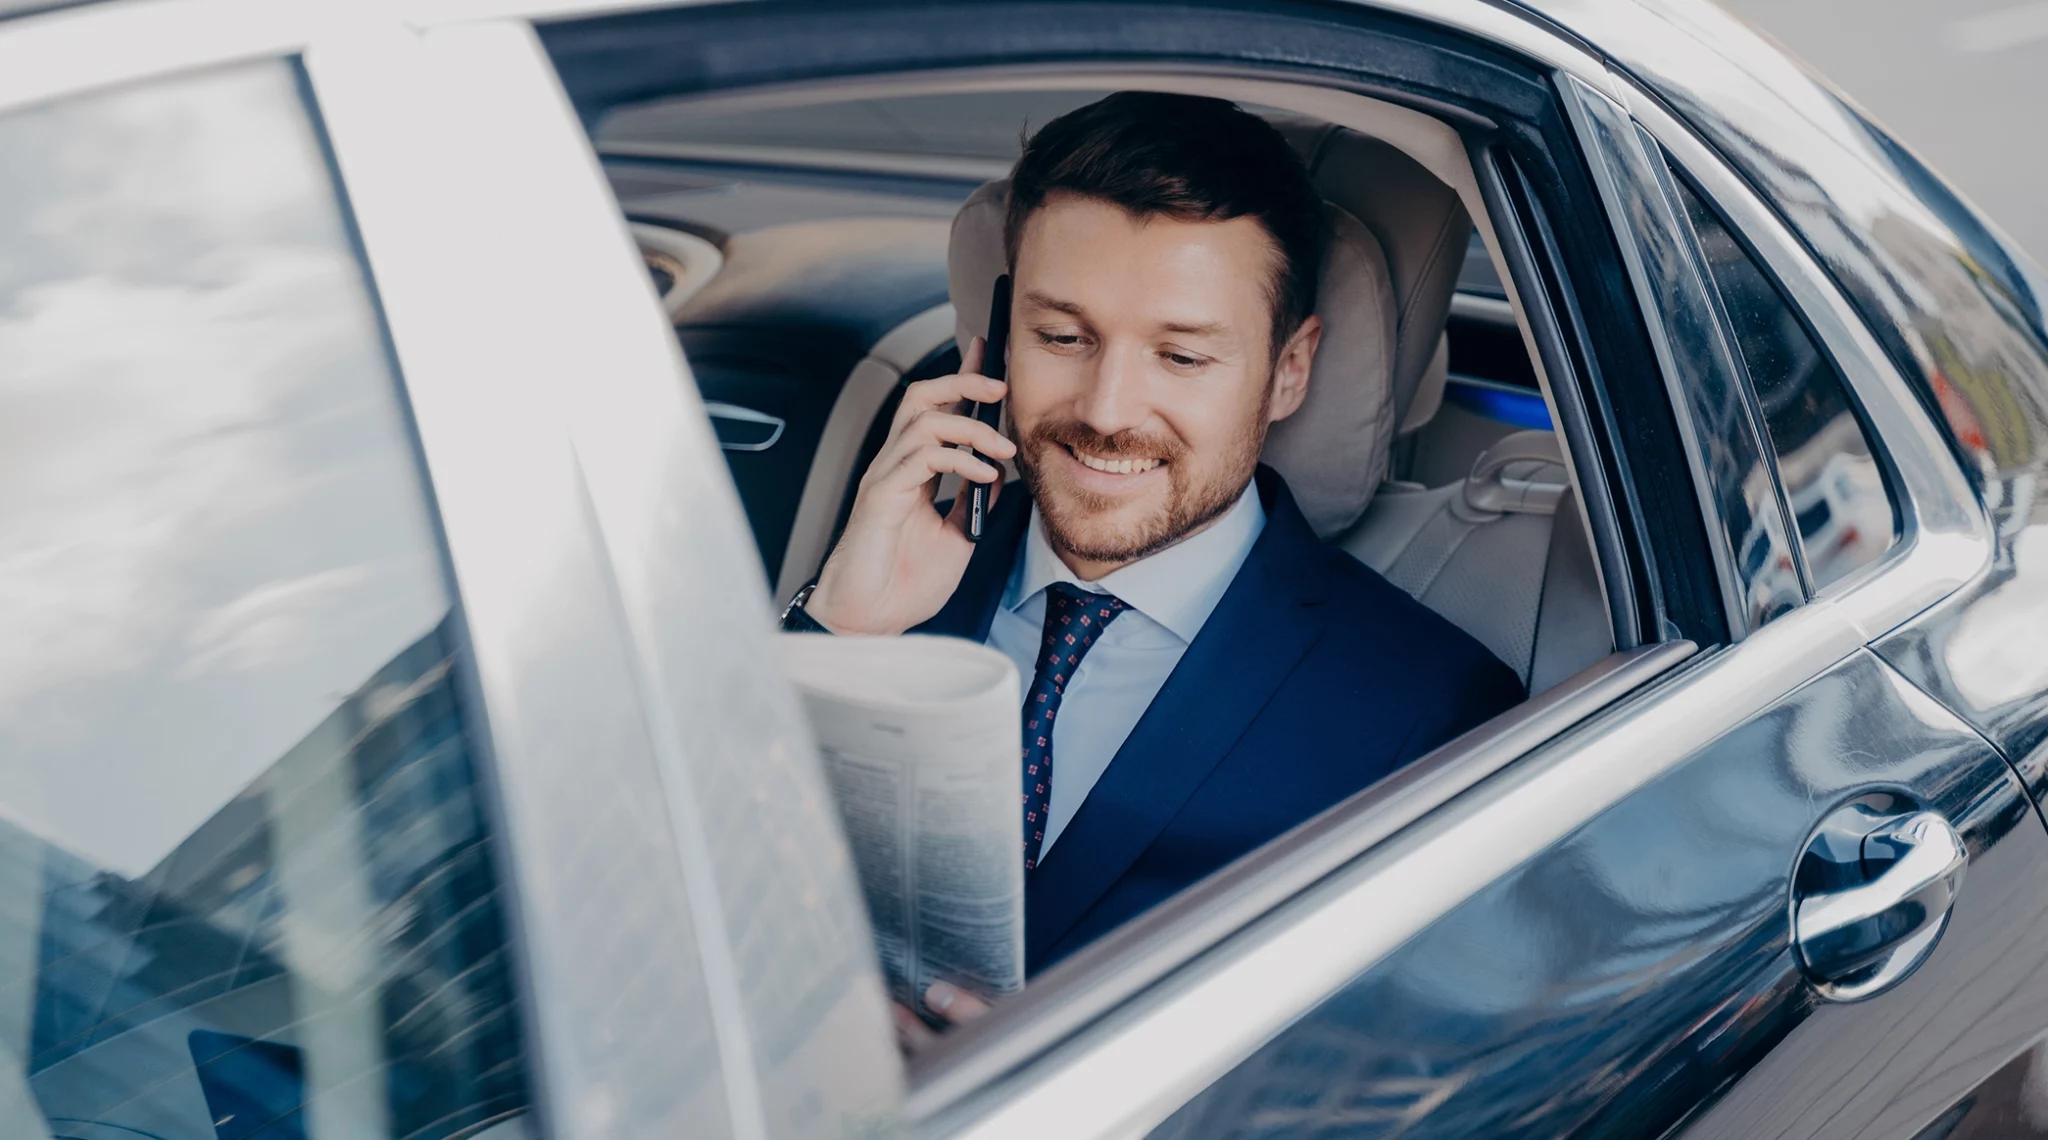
{"x":1112,"y":398}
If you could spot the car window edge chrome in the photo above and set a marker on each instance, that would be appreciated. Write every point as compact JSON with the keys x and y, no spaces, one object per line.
{"x":1113,"y":970}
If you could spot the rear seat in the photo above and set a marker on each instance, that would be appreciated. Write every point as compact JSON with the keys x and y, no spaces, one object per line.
{"x":1502,"y":553}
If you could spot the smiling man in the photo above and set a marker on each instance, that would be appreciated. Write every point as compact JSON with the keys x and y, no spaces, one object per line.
{"x":1201,"y":672}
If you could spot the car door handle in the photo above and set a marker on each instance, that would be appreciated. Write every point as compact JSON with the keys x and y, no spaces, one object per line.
{"x":1860,"y":940}
{"x":743,"y":429}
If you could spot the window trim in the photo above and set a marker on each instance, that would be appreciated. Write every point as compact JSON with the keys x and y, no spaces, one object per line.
{"x":1752,"y":403}
{"x":1672,"y":284}
{"x":1945,"y":538}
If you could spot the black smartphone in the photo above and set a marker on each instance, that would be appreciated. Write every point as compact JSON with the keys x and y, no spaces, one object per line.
{"x":995,"y":364}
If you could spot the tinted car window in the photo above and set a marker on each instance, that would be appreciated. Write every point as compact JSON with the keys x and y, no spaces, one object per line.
{"x":246,"y":888}
{"x":1841,"y":510}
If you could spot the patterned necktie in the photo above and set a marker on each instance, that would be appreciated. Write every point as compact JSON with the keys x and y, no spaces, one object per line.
{"x":1074,"y":619}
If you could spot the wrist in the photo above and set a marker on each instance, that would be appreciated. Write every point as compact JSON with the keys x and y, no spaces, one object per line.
{"x":797,"y":616}
{"x":821,"y":608}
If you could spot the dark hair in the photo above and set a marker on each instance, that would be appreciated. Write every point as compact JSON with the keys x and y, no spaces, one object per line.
{"x":1187,"y":157}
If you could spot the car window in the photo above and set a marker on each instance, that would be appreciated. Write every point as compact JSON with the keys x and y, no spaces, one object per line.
{"x":246,"y":878}
{"x":1842,"y":512}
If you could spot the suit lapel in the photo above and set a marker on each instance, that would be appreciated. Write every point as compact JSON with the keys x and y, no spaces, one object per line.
{"x":972,"y":608}
{"x":1267,"y":620}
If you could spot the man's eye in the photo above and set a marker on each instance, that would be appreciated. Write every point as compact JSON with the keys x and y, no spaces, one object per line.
{"x":1183,"y":360}
{"x":1060,"y":340}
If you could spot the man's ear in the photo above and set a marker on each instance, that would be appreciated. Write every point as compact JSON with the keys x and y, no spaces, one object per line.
{"x":1291,"y":370}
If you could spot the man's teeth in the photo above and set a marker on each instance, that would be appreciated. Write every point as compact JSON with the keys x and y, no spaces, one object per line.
{"x":1117,"y":466}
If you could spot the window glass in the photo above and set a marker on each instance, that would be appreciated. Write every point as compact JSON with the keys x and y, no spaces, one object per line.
{"x":1839,"y":504}
{"x":245,"y":883}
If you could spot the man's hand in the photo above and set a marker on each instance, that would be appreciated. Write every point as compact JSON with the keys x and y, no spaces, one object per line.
{"x":899,"y":560}
{"x":955,"y":1005}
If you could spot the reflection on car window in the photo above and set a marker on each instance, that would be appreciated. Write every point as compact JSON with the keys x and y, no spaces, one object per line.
{"x":1841,"y":509}
{"x":245,"y":889}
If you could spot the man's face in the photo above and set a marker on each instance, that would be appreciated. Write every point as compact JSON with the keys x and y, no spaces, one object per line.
{"x":1142,"y":376}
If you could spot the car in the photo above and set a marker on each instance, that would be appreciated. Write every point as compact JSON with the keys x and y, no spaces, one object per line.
{"x":415,"y":414}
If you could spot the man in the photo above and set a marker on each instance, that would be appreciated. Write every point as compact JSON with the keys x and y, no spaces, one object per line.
{"x":1202,"y":672}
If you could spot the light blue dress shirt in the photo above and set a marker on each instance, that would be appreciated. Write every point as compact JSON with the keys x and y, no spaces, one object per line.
{"x":1171,"y":595}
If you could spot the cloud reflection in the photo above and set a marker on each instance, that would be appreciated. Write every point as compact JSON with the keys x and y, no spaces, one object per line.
{"x":211,"y":526}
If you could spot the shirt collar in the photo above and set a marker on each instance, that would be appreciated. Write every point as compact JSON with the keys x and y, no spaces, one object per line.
{"x":1178,"y":587}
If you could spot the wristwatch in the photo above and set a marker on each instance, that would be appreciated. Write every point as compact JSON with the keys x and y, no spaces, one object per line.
{"x":796,"y":620}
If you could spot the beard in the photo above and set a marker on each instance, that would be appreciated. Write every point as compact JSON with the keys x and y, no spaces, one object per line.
{"x":1083,"y":523}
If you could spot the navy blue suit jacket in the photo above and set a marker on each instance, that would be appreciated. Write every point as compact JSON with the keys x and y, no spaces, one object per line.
{"x":1313,"y":678}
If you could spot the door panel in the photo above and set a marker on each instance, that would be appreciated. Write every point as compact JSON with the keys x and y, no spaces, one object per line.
{"x":1613,"y":983}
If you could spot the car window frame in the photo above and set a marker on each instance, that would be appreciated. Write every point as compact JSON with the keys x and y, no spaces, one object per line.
{"x":1720,"y":428}
{"x":1081,"y":1005}
{"x":1944,"y":537}
{"x":1110,"y":1071}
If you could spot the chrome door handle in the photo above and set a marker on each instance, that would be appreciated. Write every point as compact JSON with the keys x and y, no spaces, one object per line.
{"x":1859,"y":940}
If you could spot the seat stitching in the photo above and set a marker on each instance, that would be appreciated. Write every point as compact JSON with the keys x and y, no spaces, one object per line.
{"x":1428,"y":264}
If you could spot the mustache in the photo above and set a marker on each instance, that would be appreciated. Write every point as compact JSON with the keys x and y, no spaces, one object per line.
{"x":1127,"y":444}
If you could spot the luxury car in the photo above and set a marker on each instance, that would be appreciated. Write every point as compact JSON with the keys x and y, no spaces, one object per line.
{"x":415,"y":414}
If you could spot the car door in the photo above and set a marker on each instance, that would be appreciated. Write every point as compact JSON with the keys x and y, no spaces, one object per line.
{"x":1670,"y":958}
{"x":346,"y":473}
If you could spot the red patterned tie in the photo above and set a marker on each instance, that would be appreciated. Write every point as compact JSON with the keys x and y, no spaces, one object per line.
{"x":1074,"y":618}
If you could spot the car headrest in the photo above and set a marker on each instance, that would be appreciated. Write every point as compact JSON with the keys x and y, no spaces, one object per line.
{"x":1423,"y":228}
{"x":1333,"y":450}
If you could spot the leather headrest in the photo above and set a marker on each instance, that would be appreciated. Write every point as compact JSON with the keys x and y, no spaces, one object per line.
{"x":1333,"y":450}
{"x":1423,"y":229}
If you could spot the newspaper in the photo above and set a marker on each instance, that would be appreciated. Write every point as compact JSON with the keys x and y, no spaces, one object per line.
{"x":919,"y":736}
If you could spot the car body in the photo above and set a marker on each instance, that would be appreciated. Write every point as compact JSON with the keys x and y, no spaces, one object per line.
{"x":556,"y":857}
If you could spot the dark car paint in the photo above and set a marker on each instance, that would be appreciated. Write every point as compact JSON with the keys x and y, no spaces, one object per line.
{"x":1614,"y":983}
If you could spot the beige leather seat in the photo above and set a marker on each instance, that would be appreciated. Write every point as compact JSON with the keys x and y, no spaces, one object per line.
{"x":1502,"y":553}
{"x":1397,"y":240}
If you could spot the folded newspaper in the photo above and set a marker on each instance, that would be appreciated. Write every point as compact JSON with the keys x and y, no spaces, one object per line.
{"x":919,"y":737}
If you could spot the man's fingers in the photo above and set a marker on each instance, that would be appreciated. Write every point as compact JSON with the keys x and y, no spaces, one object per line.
{"x":944,"y":392}
{"x":942,"y":429}
{"x":956,"y":1005}
{"x":912,"y":1034}
{"x":970,"y":361}
{"x":945,"y":427}
{"x":920,"y":465}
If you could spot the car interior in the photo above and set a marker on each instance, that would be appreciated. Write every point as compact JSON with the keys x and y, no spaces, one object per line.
{"x":820,"y":248}
{"x":1488,"y":423}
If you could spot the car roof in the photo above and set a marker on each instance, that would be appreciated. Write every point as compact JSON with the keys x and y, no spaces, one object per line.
{"x":11,"y":8}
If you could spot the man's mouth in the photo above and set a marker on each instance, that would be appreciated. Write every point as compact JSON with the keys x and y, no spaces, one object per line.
{"x":1118,"y":466}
